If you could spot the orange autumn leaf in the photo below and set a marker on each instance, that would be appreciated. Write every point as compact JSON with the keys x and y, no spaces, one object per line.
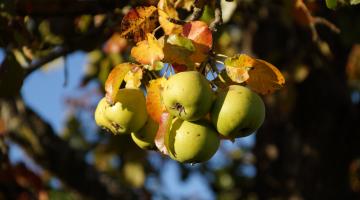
{"x":154,"y":105}
{"x":167,"y":10}
{"x":148,"y":51}
{"x":265,"y":78}
{"x":237,"y":67}
{"x":138,"y":22}
{"x":115,"y":78}
{"x":259,"y":75}
{"x":201,"y":35}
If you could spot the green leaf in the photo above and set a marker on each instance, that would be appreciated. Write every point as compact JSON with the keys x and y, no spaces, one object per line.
{"x":331,"y":4}
{"x":181,"y":41}
{"x":354,"y":2}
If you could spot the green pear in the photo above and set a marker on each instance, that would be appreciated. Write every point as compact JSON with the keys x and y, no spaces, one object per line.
{"x":100,"y":118}
{"x":237,"y":112}
{"x":145,"y":137}
{"x":188,"y":95}
{"x":128,"y":113}
{"x":192,"y":142}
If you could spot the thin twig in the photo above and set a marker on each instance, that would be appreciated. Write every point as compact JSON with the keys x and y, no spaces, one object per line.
{"x":66,"y":71}
{"x":218,"y":17}
{"x":196,"y":14}
{"x":323,"y":21}
{"x":176,"y":21}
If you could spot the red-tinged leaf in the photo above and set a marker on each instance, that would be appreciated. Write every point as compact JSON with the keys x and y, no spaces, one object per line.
{"x":201,"y":35}
{"x":138,"y":22}
{"x":179,"y":68}
{"x":148,"y":51}
{"x":163,"y":132}
{"x":115,"y":44}
{"x":154,"y":105}
{"x":115,"y":78}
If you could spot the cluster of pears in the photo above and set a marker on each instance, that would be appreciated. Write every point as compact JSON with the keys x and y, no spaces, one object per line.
{"x":201,"y":116}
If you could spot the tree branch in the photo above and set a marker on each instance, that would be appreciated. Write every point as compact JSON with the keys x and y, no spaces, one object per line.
{"x":41,"y":143}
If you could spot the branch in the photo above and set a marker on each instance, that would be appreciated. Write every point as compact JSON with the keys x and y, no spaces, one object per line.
{"x":218,"y":17}
{"x":39,"y":140}
{"x":57,"y":53}
{"x":196,"y":14}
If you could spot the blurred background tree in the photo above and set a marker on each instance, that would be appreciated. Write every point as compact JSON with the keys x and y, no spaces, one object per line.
{"x":308,"y":147}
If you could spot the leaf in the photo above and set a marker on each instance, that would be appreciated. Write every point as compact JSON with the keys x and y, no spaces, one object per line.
{"x":163,"y":132}
{"x":148,"y":51}
{"x":115,"y":44}
{"x":201,"y":36}
{"x":167,"y":10}
{"x":185,"y":4}
{"x":331,"y":4}
{"x":354,"y":2}
{"x":237,"y":67}
{"x":180,"y":41}
{"x":265,"y":78}
{"x":138,"y":22}
{"x":259,"y":75}
{"x":176,"y":54}
{"x":158,"y":65}
{"x":154,"y":105}
{"x":115,"y":78}
{"x":133,"y":78}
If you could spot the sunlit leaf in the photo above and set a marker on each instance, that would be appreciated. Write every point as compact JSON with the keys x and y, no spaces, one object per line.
{"x":163,"y":132}
{"x":354,"y":2}
{"x":133,"y":78}
{"x":176,"y":54}
{"x":167,"y":10}
{"x":115,"y":78}
{"x":148,"y":51}
{"x":180,"y":41}
{"x":265,"y":78}
{"x":237,"y":67}
{"x":259,"y":75}
{"x":154,"y":105}
{"x":201,"y":36}
{"x":139,"y":21}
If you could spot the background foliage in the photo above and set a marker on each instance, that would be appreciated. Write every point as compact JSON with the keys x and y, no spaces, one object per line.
{"x":308,"y":147}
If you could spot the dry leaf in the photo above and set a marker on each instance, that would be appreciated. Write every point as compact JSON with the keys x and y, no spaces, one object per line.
{"x":138,"y":22}
{"x":115,"y":78}
{"x":149,"y":51}
{"x":201,"y":35}
{"x":237,"y":67}
{"x":133,"y":78}
{"x":161,"y":138}
{"x":154,"y":105}
{"x":167,"y":10}
{"x":265,"y":78}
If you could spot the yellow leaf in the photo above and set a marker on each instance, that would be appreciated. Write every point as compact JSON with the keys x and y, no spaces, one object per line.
{"x":154,"y":105}
{"x":133,"y":78}
{"x":139,"y":21}
{"x":265,"y":78}
{"x":115,"y":78}
{"x":167,"y":10}
{"x":237,"y":67}
{"x":259,"y":75}
{"x":149,"y":51}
